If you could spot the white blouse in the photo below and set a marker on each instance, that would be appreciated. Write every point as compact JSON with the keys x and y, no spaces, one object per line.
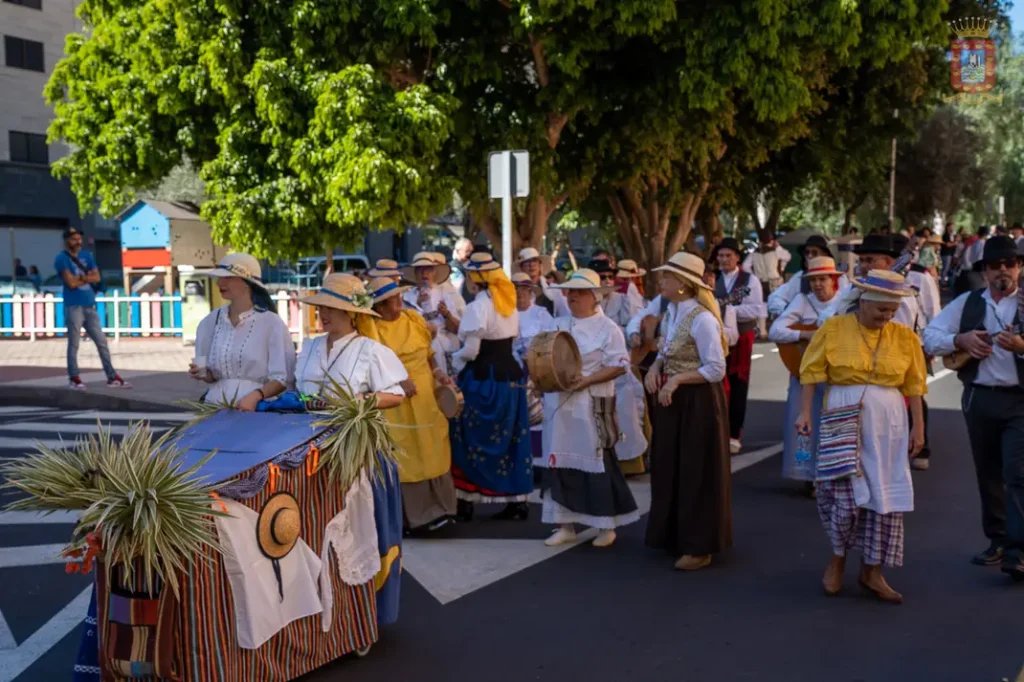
{"x":481,"y":322}
{"x":804,"y":309}
{"x":706,"y":334}
{"x":622,"y":307}
{"x":601,"y":345}
{"x":533,"y":321}
{"x":245,"y":357}
{"x":784,"y":295}
{"x":359,"y":364}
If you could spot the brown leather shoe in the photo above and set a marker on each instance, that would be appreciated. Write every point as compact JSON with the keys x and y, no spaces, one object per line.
{"x":693,"y":563}
{"x":833,"y":580}
{"x":871,"y":580}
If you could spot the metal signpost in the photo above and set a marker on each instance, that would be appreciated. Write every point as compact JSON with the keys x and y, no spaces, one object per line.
{"x":508,"y":176}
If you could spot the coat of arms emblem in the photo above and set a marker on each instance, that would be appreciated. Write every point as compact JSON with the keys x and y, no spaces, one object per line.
{"x":972,"y":68}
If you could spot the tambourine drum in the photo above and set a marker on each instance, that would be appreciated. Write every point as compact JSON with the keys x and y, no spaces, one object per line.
{"x":450,"y":400}
{"x":792,"y":353}
{"x":554,"y":361}
{"x":535,"y":404}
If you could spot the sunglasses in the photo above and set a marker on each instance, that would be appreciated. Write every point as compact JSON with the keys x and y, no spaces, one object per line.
{"x":1009,"y":263}
{"x":609,"y":277}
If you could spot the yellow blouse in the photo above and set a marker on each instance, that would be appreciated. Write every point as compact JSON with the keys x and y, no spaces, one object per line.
{"x":841,"y":352}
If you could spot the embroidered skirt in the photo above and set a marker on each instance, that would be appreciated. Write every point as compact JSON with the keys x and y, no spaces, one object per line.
{"x":596,"y":499}
{"x":691,"y":482}
{"x":791,"y":467}
{"x":878,"y":536}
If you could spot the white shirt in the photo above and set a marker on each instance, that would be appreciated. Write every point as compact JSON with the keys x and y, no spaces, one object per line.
{"x":928,"y":298}
{"x":752,"y":306}
{"x":481,"y":322}
{"x":973,"y":253}
{"x":731,"y":326}
{"x":601,"y":345}
{"x":781,"y":297}
{"x":557,"y":297}
{"x":765,"y":265}
{"x":622,"y":307}
{"x":532,"y":321}
{"x":358,"y":364}
{"x":804,"y":309}
{"x":245,"y":357}
{"x":997,"y":369}
{"x":706,"y":335}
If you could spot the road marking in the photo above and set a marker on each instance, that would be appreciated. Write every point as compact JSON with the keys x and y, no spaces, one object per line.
{"x":775,"y":350}
{"x":749,"y":459}
{"x":29,"y":444}
{"x":7,"y":641}
{"x":13,"y":662}
{"x":32,"y":555}
{"x":20,"y":518}
{"x":940,"y":374}
{"x":756,"y":356}
{"x":134,"y":416}
{"x":67,"y":427}
{"x":21,"y":409}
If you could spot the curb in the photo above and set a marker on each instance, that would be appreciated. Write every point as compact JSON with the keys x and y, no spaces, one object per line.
{"x":38,"y":396}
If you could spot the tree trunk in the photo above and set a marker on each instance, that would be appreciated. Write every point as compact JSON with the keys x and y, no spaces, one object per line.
{"x":329,"y":263}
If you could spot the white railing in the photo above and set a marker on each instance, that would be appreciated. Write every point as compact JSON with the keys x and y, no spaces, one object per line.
{"x":35,"y":316}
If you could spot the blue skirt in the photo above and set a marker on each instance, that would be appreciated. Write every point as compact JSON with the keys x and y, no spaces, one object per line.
{"x":491,"y":455}
{"x":87,"y":665}
{"x":791,"y":468}
{"x":387,"y":513}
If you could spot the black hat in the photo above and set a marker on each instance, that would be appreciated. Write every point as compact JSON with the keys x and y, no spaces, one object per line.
{"x":600,"y":266}
{"x":728,"y":243}
{"x":998,"y":248}
{"x":885,"y":244}
{"x":815,"y":240}
{"x":71,"y":232}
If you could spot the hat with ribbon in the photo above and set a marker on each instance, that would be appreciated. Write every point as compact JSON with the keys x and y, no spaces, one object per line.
{"x":427,"y":259}
{"x":730,"y":243}
{"x":383,"y":288}
{"x":822,"y":265}
{"x":482,"y":262}
{"x":238,"y":265}
{"x":686,"y":266}
{"x":628,"y":269}
{"x":883,"y":285}
{"x":529,"y":253}
{"x":385,"y":267}
{"x":583,"y":279}
{"x":342,"y":292}
{"x":884,"y":244}
{"x":521,"y":279}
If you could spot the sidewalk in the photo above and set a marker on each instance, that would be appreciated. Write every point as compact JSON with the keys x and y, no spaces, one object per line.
{"x":35,"y":373}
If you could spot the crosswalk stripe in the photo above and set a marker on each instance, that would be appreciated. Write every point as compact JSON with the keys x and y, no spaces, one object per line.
{"x":28,"y":444}
{"x":33,"y":555}
{"x":21,"y":518}
{"x":69,"y":428}
{"x":131,"y":416}
{"x":25,"y":409}
{"x":13,"y":663}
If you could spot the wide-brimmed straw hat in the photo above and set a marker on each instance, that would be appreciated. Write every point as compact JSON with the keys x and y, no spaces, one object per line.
{"x":521,"y":279}
{"x":238,"y":265}
{"x":385,"y":267}
{"x":427,"y":259}
{"x":687,"y":266}
{"x":279,"y":525}
{"x":885,"y":283}
{"x":342,"y":292}
{"x":628,"y":269}
{"x":823,"y":265}
{"x":583,"y":279}
{"x":383,"y":288}
{"x":936,"y":239}
{"x":482,"y":262}
{"x":529,"y":253}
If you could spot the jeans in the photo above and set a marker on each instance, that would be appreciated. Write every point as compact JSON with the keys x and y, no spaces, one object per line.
{"x":76,"y":317}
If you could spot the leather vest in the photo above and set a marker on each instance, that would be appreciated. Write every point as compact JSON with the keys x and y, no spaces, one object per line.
{"x":973,"y":318}
{"x":742,"y":280}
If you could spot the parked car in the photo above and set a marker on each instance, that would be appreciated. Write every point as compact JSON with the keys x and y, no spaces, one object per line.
{"x":310,"y":270}
{"x":10,"y":288}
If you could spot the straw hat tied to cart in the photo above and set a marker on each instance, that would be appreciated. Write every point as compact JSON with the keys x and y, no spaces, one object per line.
{"x":279,"y":525}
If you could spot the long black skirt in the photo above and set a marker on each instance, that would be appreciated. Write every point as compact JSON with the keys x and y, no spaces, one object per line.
{"x":691,"y":482}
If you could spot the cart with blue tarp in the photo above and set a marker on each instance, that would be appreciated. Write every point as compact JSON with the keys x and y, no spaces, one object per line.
{"x":196,"y":636}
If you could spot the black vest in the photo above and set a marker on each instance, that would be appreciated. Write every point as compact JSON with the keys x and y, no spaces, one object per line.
{"x":742,"y":280}
{"x":973,"y":318}
{"x":543,"y":301}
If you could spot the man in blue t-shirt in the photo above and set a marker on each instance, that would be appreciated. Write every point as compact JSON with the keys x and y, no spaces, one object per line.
{"x":81,"y":280}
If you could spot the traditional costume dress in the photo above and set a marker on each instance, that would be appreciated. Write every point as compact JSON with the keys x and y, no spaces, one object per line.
{"x":532,"y":321}
{"x":873,"y":368}
{"x":690,"y":515}
{"x":782,"y":296}
{"x":582,"y":480}
{"x":803,"y":310}
{"x":491,"y":458}
{"x":421,"y":430}
{"x":427,"y":299}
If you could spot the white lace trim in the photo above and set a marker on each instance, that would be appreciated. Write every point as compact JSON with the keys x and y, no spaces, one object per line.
{"x":91,"y":669}
{"x":353,"y":535}
{"x":556,"y":513}
{"x":593,"y":464}
{"x":485,"y":499}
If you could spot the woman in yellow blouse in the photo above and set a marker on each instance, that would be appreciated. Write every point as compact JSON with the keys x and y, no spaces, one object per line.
{"x":867,"y":359}
{"x":428,"y":492}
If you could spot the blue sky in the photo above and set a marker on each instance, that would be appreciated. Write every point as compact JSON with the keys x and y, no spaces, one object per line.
{"x":1017,"y":17}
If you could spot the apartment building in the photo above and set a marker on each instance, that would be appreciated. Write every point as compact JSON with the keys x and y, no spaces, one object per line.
{"x":35,"y":207}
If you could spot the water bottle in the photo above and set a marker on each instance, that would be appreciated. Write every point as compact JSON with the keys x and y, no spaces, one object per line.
{"x":803,"y":448}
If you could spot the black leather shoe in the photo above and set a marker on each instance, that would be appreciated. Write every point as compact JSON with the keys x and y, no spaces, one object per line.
{"x":464,"y":510}
{"x":990,"y":557}
{"x":513,"y":511}
{"x":1013,"y":566}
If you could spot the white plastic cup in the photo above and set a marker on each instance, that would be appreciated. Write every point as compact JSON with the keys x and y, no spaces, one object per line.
{"x":200,"y":362}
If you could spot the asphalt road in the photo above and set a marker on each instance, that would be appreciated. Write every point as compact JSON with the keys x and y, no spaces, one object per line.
{"x":490,"y":602}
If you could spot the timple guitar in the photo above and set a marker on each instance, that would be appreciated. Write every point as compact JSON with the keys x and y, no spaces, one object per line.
{"x":959,"y":358}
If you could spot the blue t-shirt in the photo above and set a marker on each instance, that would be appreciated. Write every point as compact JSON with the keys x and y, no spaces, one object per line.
{"x":83,"y":295}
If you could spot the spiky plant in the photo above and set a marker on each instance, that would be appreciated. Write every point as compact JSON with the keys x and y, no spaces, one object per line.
{"x":359,"y":431}
{"x":204,"y":410}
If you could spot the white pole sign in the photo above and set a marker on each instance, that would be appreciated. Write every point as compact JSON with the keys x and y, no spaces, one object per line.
{"x":508,"y":176}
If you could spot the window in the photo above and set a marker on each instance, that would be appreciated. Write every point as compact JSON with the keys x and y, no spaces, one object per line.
{"x":29,"y":148}
{"x":31,"y":4}
{"x":23,"y":54}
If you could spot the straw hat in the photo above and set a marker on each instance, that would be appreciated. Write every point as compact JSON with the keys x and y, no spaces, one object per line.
{"x":426,"y":259}
{"x":628,"y":269}
{"x":529,"y":253}
{"x":936,"y":239}
{"x":279,"y":525}
{"x":342,"y":292}
{"x":383,"y":288}
{"x":385,"y":267}
{"x":883,"y":285}
{"x":482,"y":262}
{"x":823,"y":265}
{"x":238,"y":265}
{"x":583,"y":279}
{"x":687,"y":266}
{"x":521,"y":279}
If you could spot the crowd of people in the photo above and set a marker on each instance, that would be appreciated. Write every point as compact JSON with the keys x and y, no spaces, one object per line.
{"x":663,"y":385}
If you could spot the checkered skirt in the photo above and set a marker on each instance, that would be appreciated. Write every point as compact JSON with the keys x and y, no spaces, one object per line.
{"x":878,"y":536}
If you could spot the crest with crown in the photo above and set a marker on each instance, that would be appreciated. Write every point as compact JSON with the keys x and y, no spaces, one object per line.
{"x":973,"y":64}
